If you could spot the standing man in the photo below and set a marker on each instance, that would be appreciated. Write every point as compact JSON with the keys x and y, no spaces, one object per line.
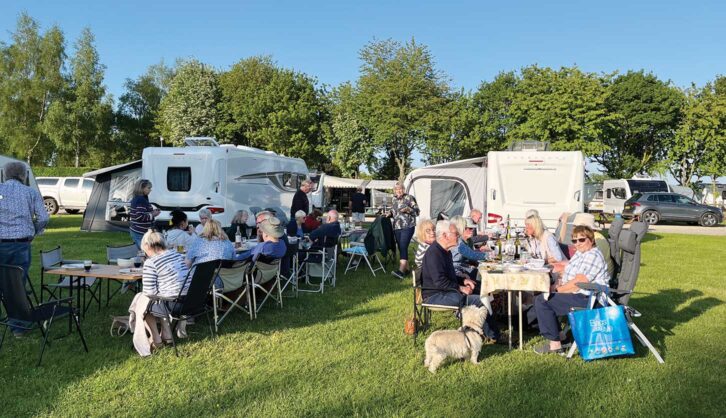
{"x":22,"y":217}
{"x":300,"y":200}
{"x":357,"y":205}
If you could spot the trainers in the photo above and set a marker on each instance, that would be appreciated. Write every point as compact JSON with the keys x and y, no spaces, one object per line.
{"x":544,"y":348}
{"x":20,"y":333}
{"x":397,"y":274}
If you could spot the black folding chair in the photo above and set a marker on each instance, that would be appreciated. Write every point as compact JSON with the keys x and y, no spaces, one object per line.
{"x":193,"y":304}
{"x":53,"y":259}
{"x":18,"y":306}
{"x":113,"y":253}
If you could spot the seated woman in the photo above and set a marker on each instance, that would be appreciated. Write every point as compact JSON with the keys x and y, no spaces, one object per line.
{"x":181,"y":232}
{"x":238,"y":222}
{"x":204,"y":216}
{"x":271,"y":247}
{"x":587,"y":265}
{"x":425,"y":236}
{"x":312,"y":221}
{"x":164,"y":275}
{"x":212,"y":244}
{"x":542,"y":243}
{"x":464,"y":257}
{"x":295,"y":227}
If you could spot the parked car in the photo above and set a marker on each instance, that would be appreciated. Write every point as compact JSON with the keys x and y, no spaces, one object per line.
{"x":657,"y":206}
{"x":597,"y":203}
{"x":68,"y":193}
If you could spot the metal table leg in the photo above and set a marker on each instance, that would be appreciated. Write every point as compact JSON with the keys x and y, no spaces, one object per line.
{"x":509,"y":316}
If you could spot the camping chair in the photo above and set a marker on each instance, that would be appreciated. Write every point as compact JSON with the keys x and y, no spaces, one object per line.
{"x":629,"y":243}
{"x":183,"y":307}
{"x":112,"y":255}
{"x":234,"y":288}
{"x":613,"y":235}
{"x":422,"y":310}
{"x":358,"y":252}
{"x":261,"y":273}
{"x":288,"y":268}
{"x":321,"y":262}
{"x":53,"y":259}
{"x":19,"y":307}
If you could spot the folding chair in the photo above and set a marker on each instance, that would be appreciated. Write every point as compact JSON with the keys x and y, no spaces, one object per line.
{"x":629,"y":244}
{"x":261,"y":273}
{"x":422,"y":310}
{"x":53,"y":259}
{"x":112,"y":255}
{"x":322,"y":263}
{"x":171,"y":310}
{"x":616,"y":226}
{"x":19,"y":307}
{"x":234,"y":288}
{"x":359,"y":253}
{"x":288,"y":268}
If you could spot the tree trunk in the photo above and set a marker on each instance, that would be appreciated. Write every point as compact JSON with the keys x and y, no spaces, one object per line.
{"x":78,"y":152}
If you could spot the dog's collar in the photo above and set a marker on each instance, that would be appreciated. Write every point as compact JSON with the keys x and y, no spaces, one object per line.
{"x":467,"y":328}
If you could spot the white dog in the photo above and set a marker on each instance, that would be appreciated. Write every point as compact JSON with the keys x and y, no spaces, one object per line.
{"x":463,"y":343}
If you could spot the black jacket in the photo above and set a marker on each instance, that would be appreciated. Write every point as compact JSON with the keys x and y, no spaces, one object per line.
{"x":437,"y":271}
{"x":299,"y":202}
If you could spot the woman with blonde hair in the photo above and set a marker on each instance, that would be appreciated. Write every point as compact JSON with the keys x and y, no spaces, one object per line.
{"x":212,"y":244}
{"x":542,"y":243}
{"x":425,"y":236}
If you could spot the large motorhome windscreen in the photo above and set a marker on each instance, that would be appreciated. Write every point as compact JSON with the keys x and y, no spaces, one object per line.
{"x":645,"y":186}
{"x":178,"y":179}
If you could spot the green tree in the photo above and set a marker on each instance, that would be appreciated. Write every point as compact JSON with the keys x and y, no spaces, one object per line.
{"x":644,"y":113}
{"x":80,"y":121}
{"x":564,"y":107}
{"x":190,"y":106}
{"x":349,"y":144}
{"x":399,"y":94}
{"x":274,"y":108}
{"x":30,"y":80}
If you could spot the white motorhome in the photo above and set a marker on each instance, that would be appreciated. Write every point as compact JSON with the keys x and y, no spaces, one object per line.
{"x":552,"y":182}
{"x":30,"y":180}
{"x":221,"y":178}
{"x":618,"y":191}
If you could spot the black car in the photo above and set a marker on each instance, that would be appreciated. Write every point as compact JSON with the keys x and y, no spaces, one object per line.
{"x":655,"y":207}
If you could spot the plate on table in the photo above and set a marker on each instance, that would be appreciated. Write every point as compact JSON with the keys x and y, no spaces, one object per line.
{"x":131,"y":270}
{"x":537,"y":269}
{"x":74,"y":266}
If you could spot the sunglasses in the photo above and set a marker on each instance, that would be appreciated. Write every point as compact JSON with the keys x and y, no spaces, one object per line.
{"x":580,"y":240}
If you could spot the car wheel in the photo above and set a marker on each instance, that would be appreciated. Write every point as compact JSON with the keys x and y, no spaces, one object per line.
{"x":51,"y":206}
{"x":708,"y":219}
{"x":650,"y":217}
{"x":72,"y":211}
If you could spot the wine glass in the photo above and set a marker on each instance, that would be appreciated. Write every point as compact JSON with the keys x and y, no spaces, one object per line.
{"x":87,"y":265}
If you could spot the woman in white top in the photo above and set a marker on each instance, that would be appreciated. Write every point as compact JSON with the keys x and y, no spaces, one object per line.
{"x":180,"y":232}
{"x":542,"y":243}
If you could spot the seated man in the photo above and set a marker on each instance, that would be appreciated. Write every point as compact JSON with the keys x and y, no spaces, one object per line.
{"x":295,"y":226}
{"x":478,"y":237}
{"x":329,"y":230}
{"x":271,"y":247}
{"x":587,"y":265}
{"x":439,"y":281}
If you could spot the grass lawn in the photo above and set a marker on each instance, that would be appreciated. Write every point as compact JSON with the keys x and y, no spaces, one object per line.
{"x":344,"y":353}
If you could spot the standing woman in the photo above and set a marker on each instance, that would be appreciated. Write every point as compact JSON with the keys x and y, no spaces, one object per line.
{"x":404,"y":212}
{"x":141,"y":214}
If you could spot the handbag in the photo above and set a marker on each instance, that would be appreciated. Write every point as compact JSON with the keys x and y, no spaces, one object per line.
{"x":601,"y":332}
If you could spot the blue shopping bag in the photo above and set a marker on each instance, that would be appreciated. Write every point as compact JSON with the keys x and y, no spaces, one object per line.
{"x":601,"y":332}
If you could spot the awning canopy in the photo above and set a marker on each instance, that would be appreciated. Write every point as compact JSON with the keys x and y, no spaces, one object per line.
{"x":381,"y":184}
{"x":342,"y":183}
{"x":118,"y":167}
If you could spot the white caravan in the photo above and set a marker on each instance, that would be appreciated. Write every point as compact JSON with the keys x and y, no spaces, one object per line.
{"x":618,"y":191}
{"x":451,"y":189}
{"x":30,"y":181}
{"x":221,"y":178}
{"x":552,"y":182}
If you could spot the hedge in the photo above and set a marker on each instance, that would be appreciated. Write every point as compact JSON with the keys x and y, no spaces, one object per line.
{"x":41,"y":171}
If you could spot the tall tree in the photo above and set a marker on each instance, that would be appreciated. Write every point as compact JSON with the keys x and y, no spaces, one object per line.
{"x":644,"y":113}
{"x":30,"y":80}
{"x":274,"y":108}
{"x":350,"y":144}
{"x":80,"y":121}
{"x":564,"y":107}
{"x":190,"y":106}
{"x":400,"y":92}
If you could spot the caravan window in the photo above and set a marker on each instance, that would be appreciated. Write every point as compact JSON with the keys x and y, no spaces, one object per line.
{"x":447,"y":196}
{"x":179,"y":179}
{"x":644,"y":186}
{"x":289,"y":180}
{"x":618,"y":192}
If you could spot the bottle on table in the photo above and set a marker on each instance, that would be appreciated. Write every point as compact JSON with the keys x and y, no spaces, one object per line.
{"x":238,"y":238}
{"x":508,"y":230}
{"x":517,"y":244}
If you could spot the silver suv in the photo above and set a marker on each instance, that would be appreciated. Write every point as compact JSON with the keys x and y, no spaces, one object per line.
{"x":655,"y":207}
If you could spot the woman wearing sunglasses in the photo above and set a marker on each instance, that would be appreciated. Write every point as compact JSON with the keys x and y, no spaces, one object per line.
{"x":586,"y":266}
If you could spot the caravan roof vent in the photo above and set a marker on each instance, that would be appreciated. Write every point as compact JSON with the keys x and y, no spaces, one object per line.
{"x":200,"y":141}
{"x":529,"y":146}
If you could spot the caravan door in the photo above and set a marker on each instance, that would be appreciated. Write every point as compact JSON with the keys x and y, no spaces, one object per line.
{"x":440,"y":195}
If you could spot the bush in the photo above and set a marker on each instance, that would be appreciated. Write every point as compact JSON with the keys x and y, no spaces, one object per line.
{"x":41,"y":171}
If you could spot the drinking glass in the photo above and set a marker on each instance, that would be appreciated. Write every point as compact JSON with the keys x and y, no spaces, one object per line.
{"x":180,"y":248}
{"x":87,"y":265}
{"x":137,"y":262}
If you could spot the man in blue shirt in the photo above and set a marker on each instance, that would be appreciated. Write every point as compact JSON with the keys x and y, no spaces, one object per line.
{"x":327,"y":231}
{"x":22,"y":217}
{"x":271,"y":247}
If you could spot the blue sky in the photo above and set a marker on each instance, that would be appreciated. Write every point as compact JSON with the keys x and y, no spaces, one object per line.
{"x":682,"y":41}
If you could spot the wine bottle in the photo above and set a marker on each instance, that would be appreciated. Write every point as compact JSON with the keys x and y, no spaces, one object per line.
{"x":516,"y":247}
{"x":499,"y":247}
{"x":238,"y":238}
{"x":508,"y":231}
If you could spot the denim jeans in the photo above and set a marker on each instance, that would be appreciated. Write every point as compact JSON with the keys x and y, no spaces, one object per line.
{"x":559,"y":304}
{"x":16,"y":254}
{"x":136,"y":237}
{"x":454,"y":298}
{"x":403,"y":239}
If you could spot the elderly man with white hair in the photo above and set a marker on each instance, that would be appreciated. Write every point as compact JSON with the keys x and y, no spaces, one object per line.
{"x":295,"y":228}
{"x":329,"y":230}
{"x":22,"y":217}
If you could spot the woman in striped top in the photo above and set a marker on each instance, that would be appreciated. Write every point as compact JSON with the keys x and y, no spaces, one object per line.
{"x":425,"y":236}
{"x":141,"y":214}
{"x":164,"y":275}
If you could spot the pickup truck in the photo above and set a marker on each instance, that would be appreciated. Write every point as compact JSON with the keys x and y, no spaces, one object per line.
{"x":68,"y":193}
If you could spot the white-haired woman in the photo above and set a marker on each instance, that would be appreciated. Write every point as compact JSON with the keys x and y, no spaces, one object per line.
{"x":404,"y":211}
{"x":542,"y":243}
{"x":295,"y":228}
{"x":204,"y":216}
{"x":141,"y":213}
